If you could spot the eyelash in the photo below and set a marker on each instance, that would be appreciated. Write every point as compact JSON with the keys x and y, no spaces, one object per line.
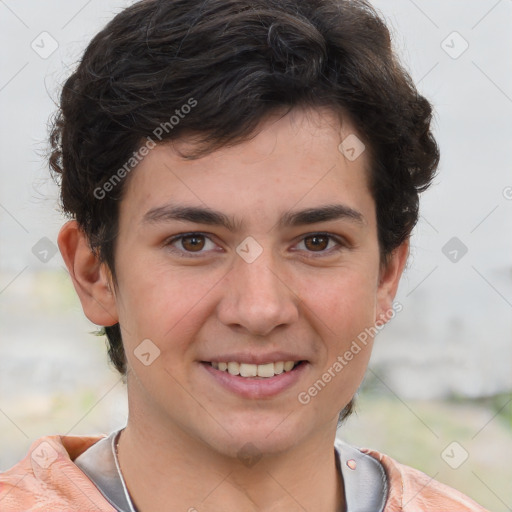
{"x":342,"y":244}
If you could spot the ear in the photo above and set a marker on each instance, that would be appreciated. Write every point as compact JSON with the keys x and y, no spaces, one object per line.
{"x":92,"y":280}
{"x":389,"y":278}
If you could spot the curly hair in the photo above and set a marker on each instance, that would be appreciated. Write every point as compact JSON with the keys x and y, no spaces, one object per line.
{"x":236,"y":61}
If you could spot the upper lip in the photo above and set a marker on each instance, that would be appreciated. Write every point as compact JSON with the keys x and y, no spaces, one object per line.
{"x":252,"y":358}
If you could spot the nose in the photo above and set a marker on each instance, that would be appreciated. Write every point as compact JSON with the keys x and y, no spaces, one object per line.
{"x":258,"y":297}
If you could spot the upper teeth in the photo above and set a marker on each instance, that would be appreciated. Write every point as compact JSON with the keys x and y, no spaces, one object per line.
{"x":255,"y":370}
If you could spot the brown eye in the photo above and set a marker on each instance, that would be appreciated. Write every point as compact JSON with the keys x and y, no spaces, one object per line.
{"x":317,"y":242}
{"x":193,"y":243}
{"x":318,"y":245}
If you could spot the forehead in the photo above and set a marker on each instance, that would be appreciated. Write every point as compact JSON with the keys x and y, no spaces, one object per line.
{"x":304,"y":158}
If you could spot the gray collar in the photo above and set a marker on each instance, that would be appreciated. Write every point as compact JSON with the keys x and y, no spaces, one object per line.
{"x":99,"y":464}
{"x":364,"y":478}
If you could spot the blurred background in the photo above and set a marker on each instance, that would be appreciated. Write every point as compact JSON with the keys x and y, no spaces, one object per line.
{"x":437,"y":395}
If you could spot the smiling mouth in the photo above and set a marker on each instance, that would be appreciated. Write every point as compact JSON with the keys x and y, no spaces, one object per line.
{"x":265,"y":371}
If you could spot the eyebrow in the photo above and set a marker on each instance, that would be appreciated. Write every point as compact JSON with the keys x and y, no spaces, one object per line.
{"x":200,"y":215}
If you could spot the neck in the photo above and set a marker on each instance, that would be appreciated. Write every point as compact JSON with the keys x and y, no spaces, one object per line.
{"x":186,"y":474}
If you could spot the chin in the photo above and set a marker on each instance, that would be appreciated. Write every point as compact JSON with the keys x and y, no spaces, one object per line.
{"x":253,"y":437}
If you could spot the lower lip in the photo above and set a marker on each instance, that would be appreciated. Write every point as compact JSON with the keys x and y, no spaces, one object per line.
{"x":253,"y":388}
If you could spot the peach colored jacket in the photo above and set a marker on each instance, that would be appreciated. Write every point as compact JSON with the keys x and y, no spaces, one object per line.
{"x":47,"y":480}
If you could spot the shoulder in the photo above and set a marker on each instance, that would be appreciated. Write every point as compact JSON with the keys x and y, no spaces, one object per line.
{"x":47,"y":478}
{"x":412,"y":490}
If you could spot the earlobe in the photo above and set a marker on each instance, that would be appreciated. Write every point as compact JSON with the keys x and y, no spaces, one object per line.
{"x":389,"y":279}
{"x":90,"y":277}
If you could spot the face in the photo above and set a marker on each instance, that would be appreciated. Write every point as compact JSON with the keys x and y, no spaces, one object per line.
{"x":261,"y":257}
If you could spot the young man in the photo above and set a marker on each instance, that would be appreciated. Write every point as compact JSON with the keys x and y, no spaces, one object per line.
{"x":243,"y":179}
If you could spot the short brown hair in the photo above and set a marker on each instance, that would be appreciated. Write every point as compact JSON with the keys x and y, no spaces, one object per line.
{"x":239,"y":61}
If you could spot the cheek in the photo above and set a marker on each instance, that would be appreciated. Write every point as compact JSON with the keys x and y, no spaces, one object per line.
{"x":161,"y":304}
{"x":343,"y":309}
{"x":345,"y":302}
{"x":344,"y":316}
